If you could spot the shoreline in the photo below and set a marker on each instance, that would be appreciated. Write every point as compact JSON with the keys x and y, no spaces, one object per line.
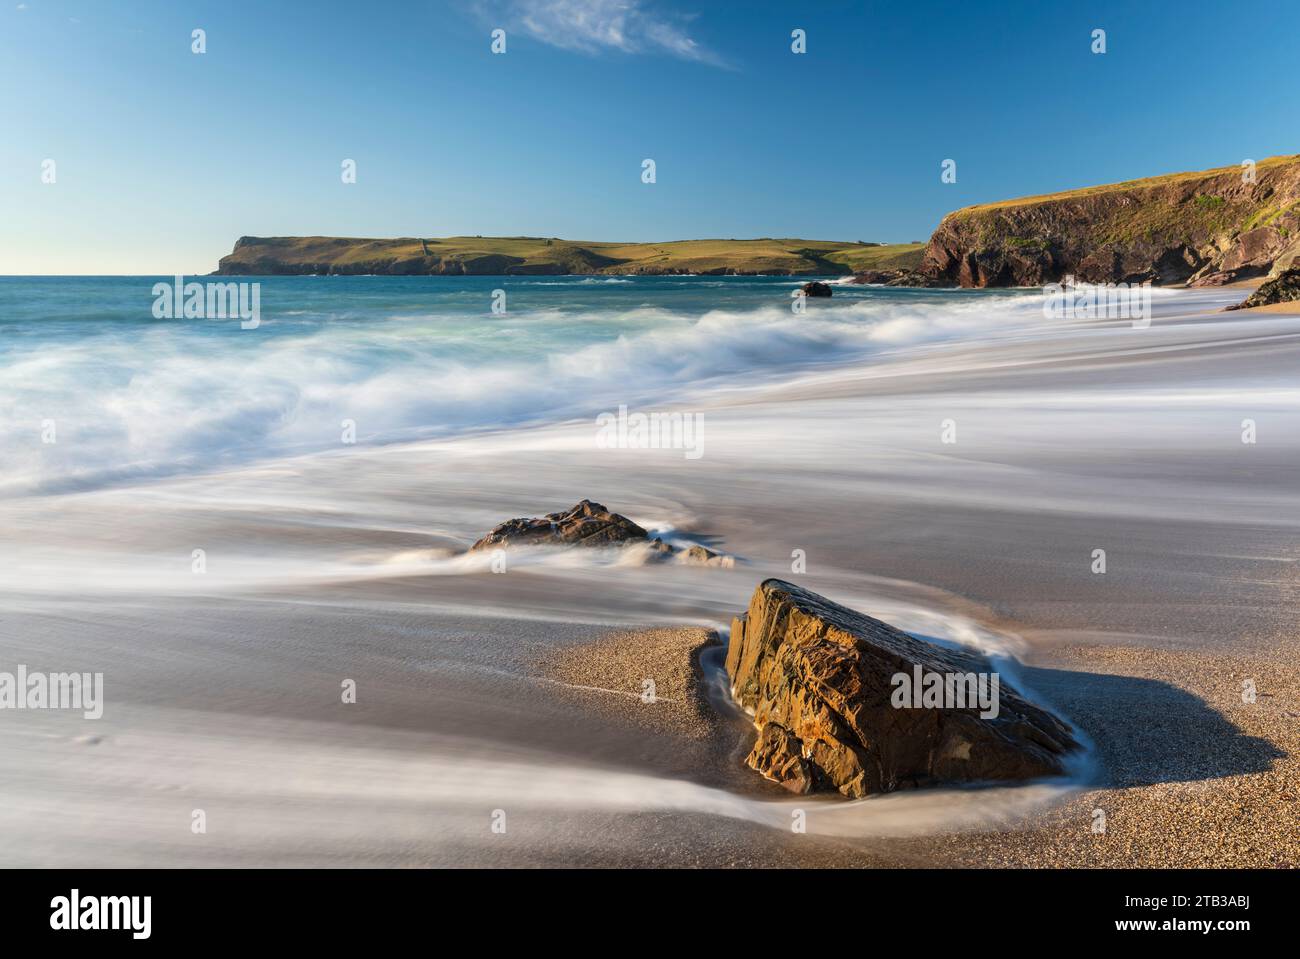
{"x":1210,"y":784}
{"x":223,"y":692}
{"x":1213,"y":784}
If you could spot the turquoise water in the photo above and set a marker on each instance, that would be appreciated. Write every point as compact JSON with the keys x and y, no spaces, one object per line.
{"x":131,"y":396}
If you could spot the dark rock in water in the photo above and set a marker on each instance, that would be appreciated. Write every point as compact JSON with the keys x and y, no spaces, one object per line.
{"x":819,"y":679}
{"x":591,"y":524}
{"x":817,"y":288}
{"x":660,"y":549}
{"x":1283,"y":288}
{"x":702,"y":556}
{"x":587,"y":524}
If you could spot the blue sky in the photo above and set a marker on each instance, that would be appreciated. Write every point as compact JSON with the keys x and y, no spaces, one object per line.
{"x":164,"y":157}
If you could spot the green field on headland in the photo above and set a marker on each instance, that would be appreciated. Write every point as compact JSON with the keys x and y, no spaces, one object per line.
{"x":521,"y":255}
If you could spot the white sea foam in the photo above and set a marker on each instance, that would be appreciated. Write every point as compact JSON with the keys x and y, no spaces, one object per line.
{"x":158,"y":399}
{"x":362,"y":552}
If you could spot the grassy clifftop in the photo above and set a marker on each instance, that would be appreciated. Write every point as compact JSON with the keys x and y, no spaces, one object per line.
{"x":1209,"y":227}
{"x":459,"y":255}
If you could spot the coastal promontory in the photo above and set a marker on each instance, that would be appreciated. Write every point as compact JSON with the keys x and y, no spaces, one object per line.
{"x":551,"y":256}
{"x":1202,"y":229}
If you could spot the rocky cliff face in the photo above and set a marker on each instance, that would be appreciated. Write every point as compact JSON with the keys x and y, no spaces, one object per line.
{"x":819,"y":679}
{"x":1202,"y":228}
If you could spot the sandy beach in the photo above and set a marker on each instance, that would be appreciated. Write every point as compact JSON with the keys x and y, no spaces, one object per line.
{"x":515,"y":698}
{"x":1189,"y":776}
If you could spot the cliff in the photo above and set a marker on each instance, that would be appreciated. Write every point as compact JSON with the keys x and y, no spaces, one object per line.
{"x":1204,"y":228}
{"x":462,"y":255}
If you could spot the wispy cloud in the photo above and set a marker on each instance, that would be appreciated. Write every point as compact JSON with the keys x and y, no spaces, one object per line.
{"x":599,"y":26}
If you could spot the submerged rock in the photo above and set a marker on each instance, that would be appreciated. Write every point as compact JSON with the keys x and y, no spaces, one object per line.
{"x":701,"y":556}
{"x":816,"y":288}
{"x":819,"y":679}
{"x":660,"y":550}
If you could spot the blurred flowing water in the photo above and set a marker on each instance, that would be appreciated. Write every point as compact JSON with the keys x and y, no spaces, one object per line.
{"x":323,"y":559}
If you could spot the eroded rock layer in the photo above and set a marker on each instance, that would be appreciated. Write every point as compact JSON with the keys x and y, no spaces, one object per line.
{"x":817,"y":678}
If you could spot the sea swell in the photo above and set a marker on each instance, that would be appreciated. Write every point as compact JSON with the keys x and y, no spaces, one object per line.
{"x":133,"y":398}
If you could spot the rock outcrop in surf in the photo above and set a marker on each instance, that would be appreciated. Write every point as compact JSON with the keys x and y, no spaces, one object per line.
{"x":586,"y":524}
{"x":821,"y":682}
{"x":589,"y":524}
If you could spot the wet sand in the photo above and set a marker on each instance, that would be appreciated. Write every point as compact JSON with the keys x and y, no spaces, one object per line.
{"x":1283,"y":309}
{"x":223,"y":688}
{"x":1189,"y":774}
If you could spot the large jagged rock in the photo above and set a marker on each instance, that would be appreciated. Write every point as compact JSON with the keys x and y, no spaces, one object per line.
{"x":591,"y":524}
{"x":1205,"y":228}
{"x":1283,"y":288}
{"x":817,"y":678}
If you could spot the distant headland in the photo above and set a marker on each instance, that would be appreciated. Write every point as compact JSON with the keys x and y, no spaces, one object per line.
{"x":1209,"y":228}
{"x":551,"y":256}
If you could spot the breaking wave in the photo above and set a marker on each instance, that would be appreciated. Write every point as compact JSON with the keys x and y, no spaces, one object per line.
{"x":140,"y":398}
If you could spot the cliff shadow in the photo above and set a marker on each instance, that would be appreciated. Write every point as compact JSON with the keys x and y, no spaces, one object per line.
{"x":1147,"y":731}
